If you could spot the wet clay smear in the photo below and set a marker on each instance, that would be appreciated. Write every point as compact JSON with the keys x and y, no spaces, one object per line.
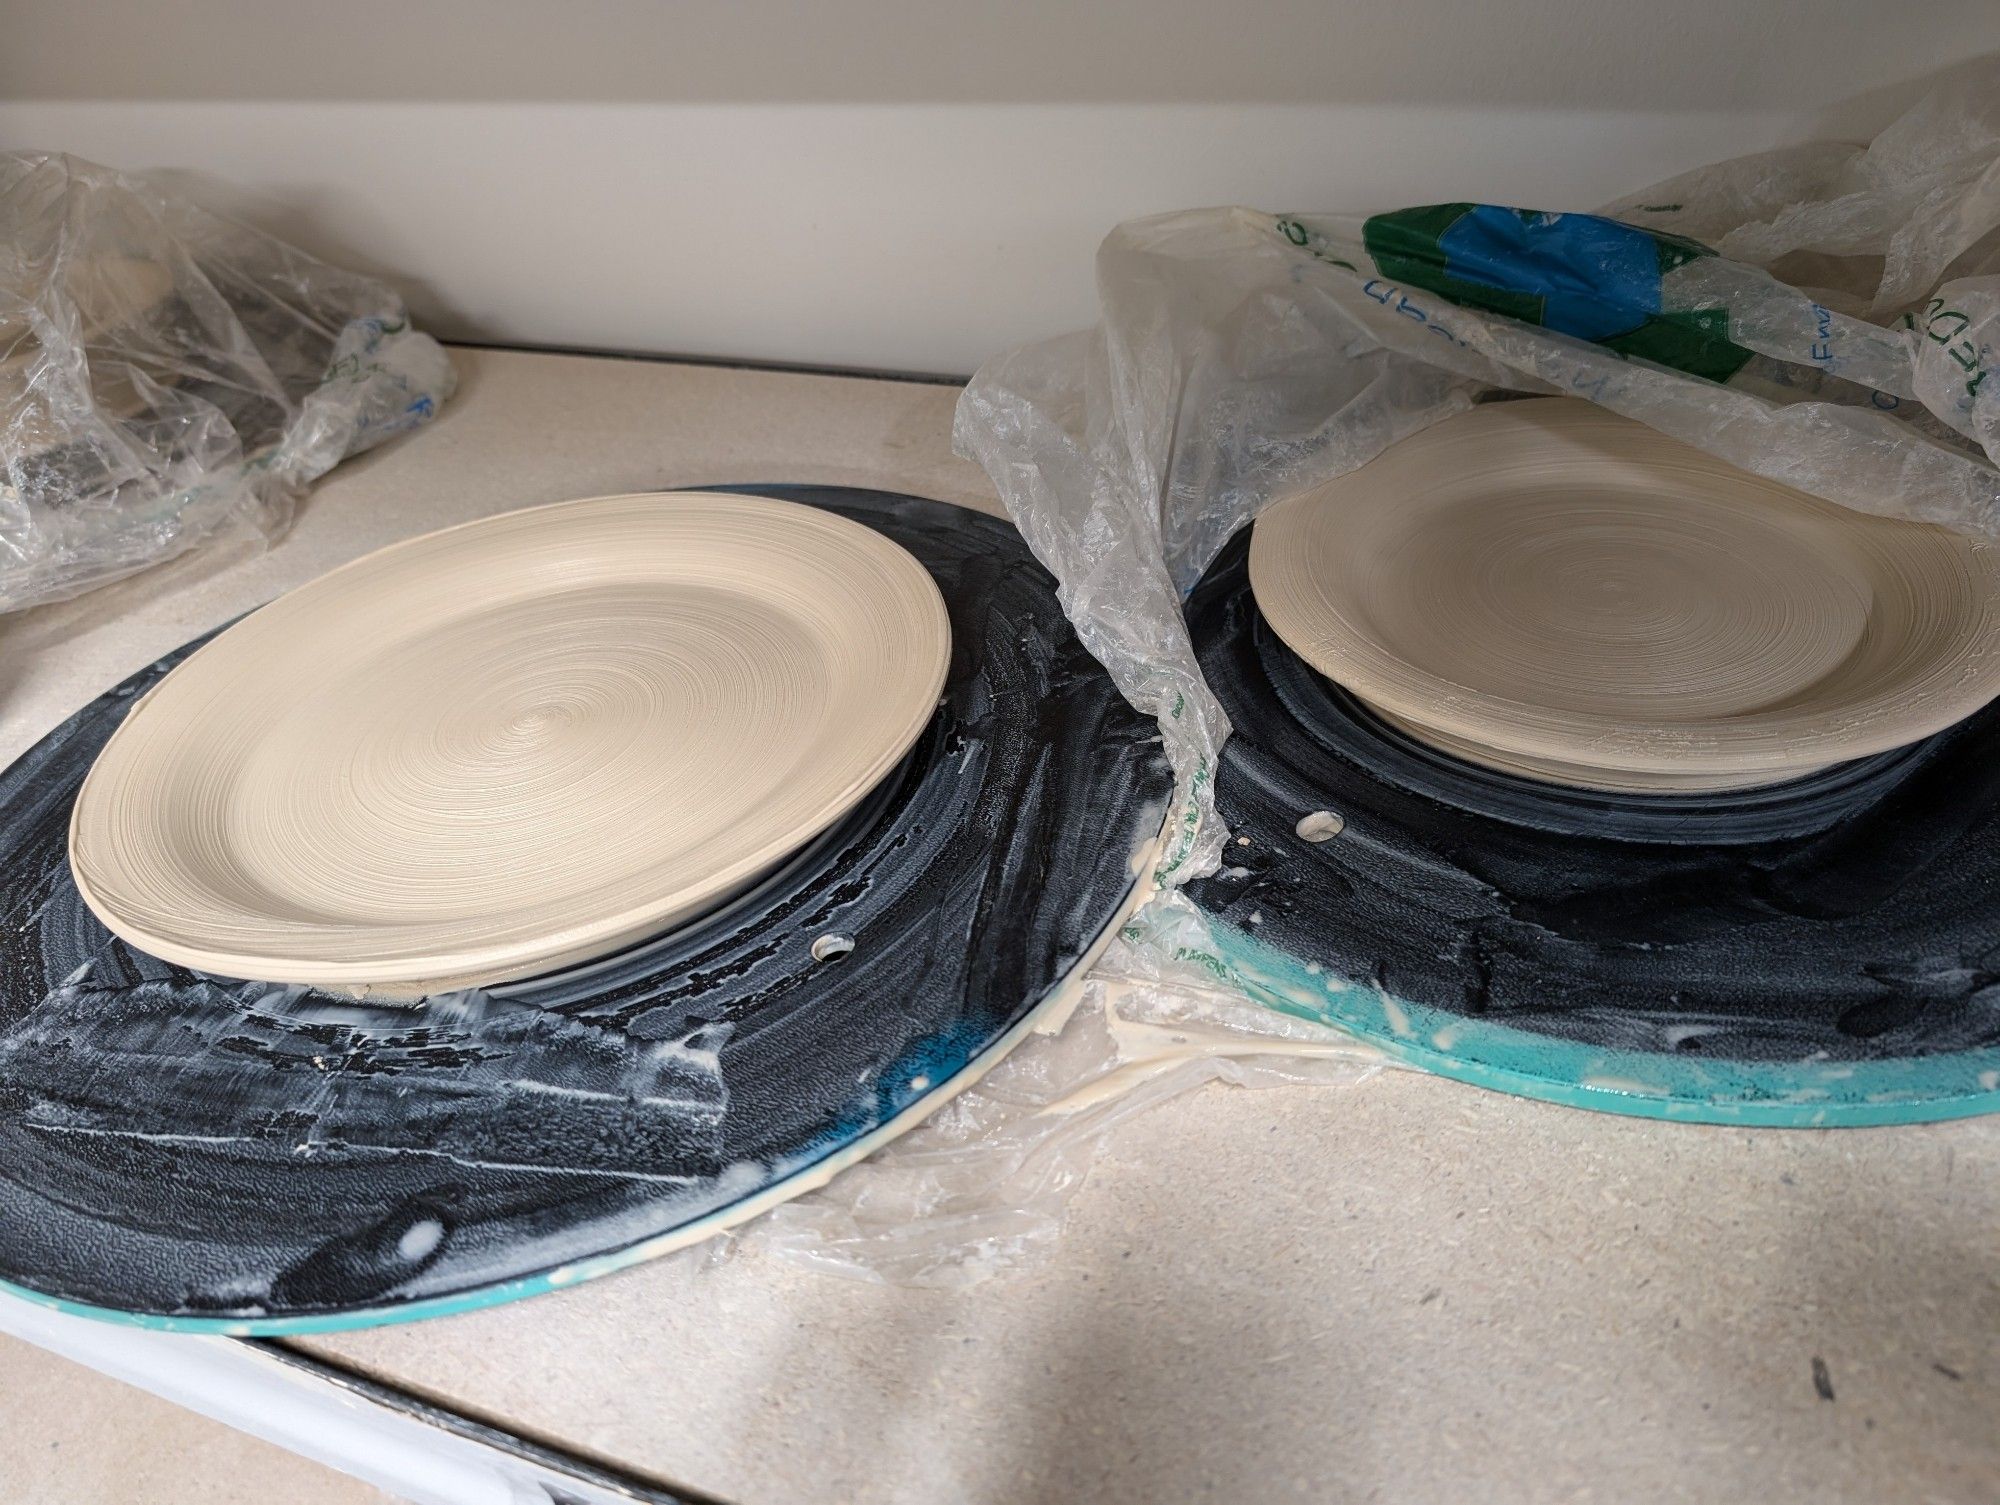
{"x":202,"y":1152}
{"x":1846,"y":920}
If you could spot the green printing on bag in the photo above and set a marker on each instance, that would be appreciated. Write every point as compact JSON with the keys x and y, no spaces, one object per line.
{"x":1578,"y":274}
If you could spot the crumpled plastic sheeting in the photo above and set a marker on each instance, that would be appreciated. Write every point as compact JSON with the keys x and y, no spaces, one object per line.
{"x":1841,"y":339}
{"x":166,"y":374}
{"x":982,"y":1185}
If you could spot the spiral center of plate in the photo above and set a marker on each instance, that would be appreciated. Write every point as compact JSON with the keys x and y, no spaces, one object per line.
{"x":527,"y":730}
{"x":1669,"y":608}
{"x":662,"y":718}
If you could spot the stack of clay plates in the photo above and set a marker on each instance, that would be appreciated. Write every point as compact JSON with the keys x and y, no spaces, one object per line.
{"x":511,"y":746}
{"x":541,"y":895}
{"x":1569,"y":759}
{"x":1549,"y":589}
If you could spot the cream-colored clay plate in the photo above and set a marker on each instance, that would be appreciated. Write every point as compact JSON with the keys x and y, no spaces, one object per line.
{"x":105,"y":292}
{"x":515,"y":744}
{"x":1545,"y":587}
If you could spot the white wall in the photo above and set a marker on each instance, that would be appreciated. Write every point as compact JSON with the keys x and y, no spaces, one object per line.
{"x":900,"y":184}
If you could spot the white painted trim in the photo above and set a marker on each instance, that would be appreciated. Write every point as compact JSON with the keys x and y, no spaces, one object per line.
{"x":242,"y":1386}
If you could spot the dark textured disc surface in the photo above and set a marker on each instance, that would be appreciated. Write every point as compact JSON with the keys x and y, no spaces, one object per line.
{"x":1820,"y":952}
{"x":192,"y":1151}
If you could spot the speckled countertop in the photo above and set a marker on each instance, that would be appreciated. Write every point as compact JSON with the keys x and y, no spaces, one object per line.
{"x":1411,"y":1290}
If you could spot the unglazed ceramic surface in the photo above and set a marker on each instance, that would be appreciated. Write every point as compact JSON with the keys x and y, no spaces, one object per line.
{"x":511,"y":745}
{"x":1547,"y":588}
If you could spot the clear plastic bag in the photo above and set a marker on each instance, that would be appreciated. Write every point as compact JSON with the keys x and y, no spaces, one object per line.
{"x":983,"y":1186}
{"x":166,"y":373}
{"x":1827,"y":315}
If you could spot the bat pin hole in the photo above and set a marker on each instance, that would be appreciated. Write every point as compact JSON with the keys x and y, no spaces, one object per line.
{"x":831,"y":947}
